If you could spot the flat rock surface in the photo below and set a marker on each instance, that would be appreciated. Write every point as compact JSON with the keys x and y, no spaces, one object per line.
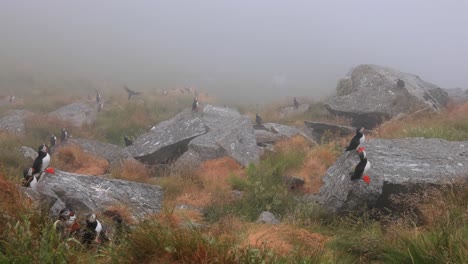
{"x":13,"y":122}
{"x":318,"y":129}
{"x":86,"y":194}
{"x":77,"y":114}
{"x":397,"y":166}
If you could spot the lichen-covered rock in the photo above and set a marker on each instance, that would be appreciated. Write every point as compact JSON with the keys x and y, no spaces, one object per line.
{"x":167,"y":140}
{"x":77,"y":114}
{"x":267,"y":218}
{"x":86,"y":194}
{"x":397,"y":166}
{"x":13,"y":122}
{"x":370,"y":94}
{"x":230,"y":134}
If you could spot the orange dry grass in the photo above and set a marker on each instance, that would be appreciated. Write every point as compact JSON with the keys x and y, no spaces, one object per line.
{"x":132,"y":170}
{"x":72,"y":158}
{"x":296,"y":143}
{"x":284,"y":238}
{"x":214,"y":176}
{"x":12,"y":202}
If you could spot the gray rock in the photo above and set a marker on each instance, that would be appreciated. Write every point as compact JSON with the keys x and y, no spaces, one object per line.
{"x":13,"y":122}
{"x":370,"y":94}
{"x":457,"y":95}
{"x":168,"y":140}
{"x":292,"y":111}
{"x":267,"y":218}
{"x":230,"y":134}
{"x":264,"y":137}
{"x":77,"y":114}
{"x":86,"y":194}
{"x":397,"y":166}
{"x":318,"y":129}
{"x":110,"y":152}
{"x":29,"y":153}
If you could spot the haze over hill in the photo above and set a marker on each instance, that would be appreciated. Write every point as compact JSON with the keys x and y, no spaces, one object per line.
{"x":250,"y":50}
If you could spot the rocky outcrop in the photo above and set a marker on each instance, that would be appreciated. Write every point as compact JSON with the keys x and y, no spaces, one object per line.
{"x":13,"y":122}
{"x":230,"y":134}
{"x":29,"y":153}
{"x":371,"y":94}
{"x":290,"y":111}
{"x":168,"y":140}
{"x":112,"y":153}
{"x":269,"y":133}
{"x":86,"y":194}
{"x":458,"y":95}
{"x":397,"y":166}
{"x":318,"y":129}
{"x":77,"y":114}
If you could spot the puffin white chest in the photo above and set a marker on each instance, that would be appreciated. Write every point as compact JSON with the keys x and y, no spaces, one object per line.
{"x":33,"y":183}
{"x":45,"y":162}
{"x":367,"y":167}
{"x":362,"y":139}
{"x":98,"y":227}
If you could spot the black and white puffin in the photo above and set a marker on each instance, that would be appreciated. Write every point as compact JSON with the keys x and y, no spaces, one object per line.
{"x":53,"y":140}
{"x":100,"y":106}
{"x":40,"y":164}
{"x":93,"y":230}
{"x":296,"y":103}
{"x":66,"y":224}
{"x":258,"y":119}
{"x":362,"y":167}
{"x":195,"y":104}
{"x":358,"y":139}
{"x":98,"y":96}
{"x":64,"y":136}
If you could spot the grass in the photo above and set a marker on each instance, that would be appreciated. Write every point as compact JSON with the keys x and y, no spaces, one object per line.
{"x":227,"y":232}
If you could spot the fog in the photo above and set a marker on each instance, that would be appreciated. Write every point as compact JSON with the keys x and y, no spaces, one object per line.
{"x":243,"y":50}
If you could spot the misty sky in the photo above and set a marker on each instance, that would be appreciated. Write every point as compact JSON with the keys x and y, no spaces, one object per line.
{"x":236,"y":49}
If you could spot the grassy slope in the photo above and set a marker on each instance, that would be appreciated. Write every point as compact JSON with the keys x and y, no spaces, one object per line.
{"x":306,"y":235}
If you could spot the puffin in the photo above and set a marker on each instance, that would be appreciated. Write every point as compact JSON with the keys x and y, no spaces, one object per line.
{"x":53,"y":140}
{"x":258,"y":119}
{"x":64,"y":136}
{"x":93,"y":230}
{"x":130,"y":92}
{"x":195,"y":104}
{"x":66,"y":222}
{"x":32,"y":175}
{"x":296,"y":103}
{"x":362,"y":167}
{"x":100,"y":106}
{"x":358,"y":139}
{"x":98,"y":96}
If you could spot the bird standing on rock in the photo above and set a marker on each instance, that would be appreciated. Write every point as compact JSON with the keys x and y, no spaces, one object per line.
{"x":33,"y":174}
{"x":362,"y":167}
{"x":258,"y":119}
{"x":64,"y":136}
{"x":94,"y":230}
{"x":195,"y":105}
{"x":358,"y":139}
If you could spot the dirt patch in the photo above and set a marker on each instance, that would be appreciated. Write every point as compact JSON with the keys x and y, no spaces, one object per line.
{"x":283,"y":239}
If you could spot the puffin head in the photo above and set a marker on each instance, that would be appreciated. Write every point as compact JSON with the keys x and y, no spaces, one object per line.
{"x":91,"y":218}
{"x":65,"y":214}
{"x":42,"y":148}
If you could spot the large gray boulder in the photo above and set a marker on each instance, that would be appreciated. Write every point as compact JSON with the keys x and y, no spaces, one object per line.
{"x":77,"y":114}
{"x":167,"y":140}
{"x":371,"y":94}
{"x":229,"y":134}
{"x":13,"y":122}
{"x":86,"y":194}
{"x":397,"y":166}
{"x":318,"y":129}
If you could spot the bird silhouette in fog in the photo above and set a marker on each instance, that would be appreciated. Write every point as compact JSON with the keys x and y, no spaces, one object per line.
{"x":130,"y":92}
